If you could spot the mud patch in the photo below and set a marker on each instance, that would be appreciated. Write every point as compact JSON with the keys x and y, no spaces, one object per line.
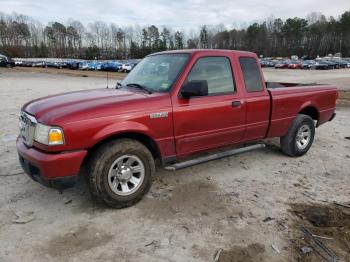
{"x":195,"y":199}
{"x":329,"y":224}
{"x":78,"y":240}
{"x":90,"y":207}
{"x":253,"y":252}
{"x":322,"y":216}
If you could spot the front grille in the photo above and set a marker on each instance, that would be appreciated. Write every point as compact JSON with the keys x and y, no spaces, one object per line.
{"x":27,"y":125}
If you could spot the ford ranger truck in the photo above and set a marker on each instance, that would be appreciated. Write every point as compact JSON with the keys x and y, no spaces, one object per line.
{"x":173,"y":105}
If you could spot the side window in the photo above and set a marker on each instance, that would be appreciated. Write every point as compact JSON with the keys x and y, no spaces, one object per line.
{"x":217,"y":71}
{"x":251,"y":74}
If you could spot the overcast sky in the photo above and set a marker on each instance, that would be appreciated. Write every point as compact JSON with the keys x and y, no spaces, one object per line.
{"x":178,"y":13}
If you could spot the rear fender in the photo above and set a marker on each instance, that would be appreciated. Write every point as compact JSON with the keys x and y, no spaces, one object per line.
{"x":301,"y":108}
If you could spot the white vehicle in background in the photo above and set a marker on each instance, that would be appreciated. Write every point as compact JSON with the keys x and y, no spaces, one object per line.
{"x":83,"y":66}
{"x":126,"y":68}
{"x":123,"y":68}
{"x":18,"y":62}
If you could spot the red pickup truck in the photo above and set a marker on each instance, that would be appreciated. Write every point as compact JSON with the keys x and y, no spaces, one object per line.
{"x":171,"y":106}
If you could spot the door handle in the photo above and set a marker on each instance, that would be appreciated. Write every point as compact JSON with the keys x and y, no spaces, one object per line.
{"x":236,"y":103}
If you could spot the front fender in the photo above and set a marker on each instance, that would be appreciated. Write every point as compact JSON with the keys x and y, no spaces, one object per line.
{"x":122,"y":127}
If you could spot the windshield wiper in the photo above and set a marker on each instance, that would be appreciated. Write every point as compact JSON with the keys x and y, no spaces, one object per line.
{"x":140,"y":87}
{"x":118,"y":85}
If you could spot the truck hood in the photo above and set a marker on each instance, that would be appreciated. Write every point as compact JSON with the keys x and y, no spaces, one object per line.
{"x":87,"y":104}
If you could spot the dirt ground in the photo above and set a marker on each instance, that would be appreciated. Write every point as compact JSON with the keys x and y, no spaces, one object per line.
{"x":248,"y":207}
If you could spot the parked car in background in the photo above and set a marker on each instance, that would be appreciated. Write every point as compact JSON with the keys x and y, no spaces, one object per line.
{"x":319,"y":64}
{"x":63,"y":64}
{"x":294,"y":65}
{"x":340,"y":63}
{"x":126,"y":68}
{"x":271,"y":63}
{"x":6,"y":61}
{"x":73,"y":65}
{"x":130,"y":67}
{"x":120,"y":65}
{"x":18,"y":63}
{"x":83,"y":65}
{"x":263,"y":62}
{"x":307,"y":64}
{"x":56,"y":65}
{"x":111,"y":66}
{"x":347,"y":63}
{"x":331,"y":64}
{"x":27,"y":64}
{"x":99,"y":65}
{"x":38,"y":64}
{"x":93,"y":65}
{"x":123,"y":68}
{"x":282,"y":64}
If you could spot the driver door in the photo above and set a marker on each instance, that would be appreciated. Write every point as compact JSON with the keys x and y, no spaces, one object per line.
{"x":215,"y":120}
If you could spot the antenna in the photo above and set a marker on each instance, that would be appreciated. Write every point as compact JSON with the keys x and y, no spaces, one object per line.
{"x":107,"y":80}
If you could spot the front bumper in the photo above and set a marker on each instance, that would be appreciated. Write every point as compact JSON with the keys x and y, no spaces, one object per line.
{"x":57,"y":170}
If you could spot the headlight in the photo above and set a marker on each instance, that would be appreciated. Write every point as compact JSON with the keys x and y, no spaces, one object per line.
{"x":48,"y":135}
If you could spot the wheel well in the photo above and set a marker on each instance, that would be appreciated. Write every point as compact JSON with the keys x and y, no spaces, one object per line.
{"x":142,"y":138}
{"x":311,"y":112}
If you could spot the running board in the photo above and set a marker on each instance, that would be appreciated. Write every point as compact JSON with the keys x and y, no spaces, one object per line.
{"x":219,"y":155}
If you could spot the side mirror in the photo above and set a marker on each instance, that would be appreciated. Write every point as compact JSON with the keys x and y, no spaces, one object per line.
{"x":195,"y":88}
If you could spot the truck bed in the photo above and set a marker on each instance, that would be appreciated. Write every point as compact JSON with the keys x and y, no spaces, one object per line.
{"x":283,"y":84}
{"x":290,"y":99}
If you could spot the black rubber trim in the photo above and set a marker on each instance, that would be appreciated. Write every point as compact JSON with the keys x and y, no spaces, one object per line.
{"x":34,"y":173}
{"x":168,"y":160}
{"x":332,"y":117}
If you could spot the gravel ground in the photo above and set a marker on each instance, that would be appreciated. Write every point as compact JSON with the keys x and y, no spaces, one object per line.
{"x":241,"y":208}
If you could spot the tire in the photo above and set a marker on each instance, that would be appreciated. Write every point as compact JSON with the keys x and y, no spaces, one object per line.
{"x":293,"y":143}
{"x":106,"y":177}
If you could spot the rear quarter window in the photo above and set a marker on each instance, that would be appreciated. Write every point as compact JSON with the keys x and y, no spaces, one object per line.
{"x":251,"y":74}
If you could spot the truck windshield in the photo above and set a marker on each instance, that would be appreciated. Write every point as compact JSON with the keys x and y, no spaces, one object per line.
{"x":156,"y":73}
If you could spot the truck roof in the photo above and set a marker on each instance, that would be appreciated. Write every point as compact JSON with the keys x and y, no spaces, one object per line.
{"x":213,"y":51}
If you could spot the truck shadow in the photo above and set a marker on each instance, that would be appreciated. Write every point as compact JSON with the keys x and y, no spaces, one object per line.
{"x":167,"y":194}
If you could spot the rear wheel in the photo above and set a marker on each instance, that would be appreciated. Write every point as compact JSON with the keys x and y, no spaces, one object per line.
{"x":120,"y":172}
{"x":300,"y":136}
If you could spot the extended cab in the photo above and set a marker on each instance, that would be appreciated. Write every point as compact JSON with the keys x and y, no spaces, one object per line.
{"x":171,"y":106}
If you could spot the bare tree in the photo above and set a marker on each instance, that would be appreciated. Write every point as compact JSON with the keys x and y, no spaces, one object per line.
{"x":314,"y":35}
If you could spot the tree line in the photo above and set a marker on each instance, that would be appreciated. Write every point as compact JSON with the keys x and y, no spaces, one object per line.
{"x":22,"y":36}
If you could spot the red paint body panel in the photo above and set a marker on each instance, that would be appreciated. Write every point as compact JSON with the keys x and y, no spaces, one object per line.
{"x":52,"y":165}
{"x":207,"y":122}
{"x":88,"y":117}
{"x":289,"y":101}
{"x":193,"y":125}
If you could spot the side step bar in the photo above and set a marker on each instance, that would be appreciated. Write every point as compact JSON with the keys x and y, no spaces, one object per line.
{"x":219,"y":155}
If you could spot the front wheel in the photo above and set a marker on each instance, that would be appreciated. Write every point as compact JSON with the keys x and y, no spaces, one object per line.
{"x":300,"y":136}
{"x":120,"y":172}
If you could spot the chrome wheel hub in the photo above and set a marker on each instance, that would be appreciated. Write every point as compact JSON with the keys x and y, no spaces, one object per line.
{"x":303,"y":137}
{"x":126,"y":175}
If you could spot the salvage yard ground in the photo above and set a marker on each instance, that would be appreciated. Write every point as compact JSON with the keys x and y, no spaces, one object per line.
{"x":248,"y":207}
